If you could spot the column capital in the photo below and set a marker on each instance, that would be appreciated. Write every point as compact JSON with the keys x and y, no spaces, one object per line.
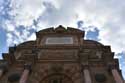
{"x":112,"y":66}
{"x":85,"y":65}
{"x":27,"y":66}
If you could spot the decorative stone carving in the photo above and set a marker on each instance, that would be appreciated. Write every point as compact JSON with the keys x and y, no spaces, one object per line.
{"x":60,"y":53}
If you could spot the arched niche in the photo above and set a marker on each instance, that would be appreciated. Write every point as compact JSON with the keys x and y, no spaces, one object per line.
{"x":57,"y":78}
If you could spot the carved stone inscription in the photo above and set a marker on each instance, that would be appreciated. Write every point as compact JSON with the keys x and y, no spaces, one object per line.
{"x":59,"y":40}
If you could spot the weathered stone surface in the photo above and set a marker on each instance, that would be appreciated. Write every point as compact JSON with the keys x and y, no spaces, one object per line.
{"x":61,"y":55}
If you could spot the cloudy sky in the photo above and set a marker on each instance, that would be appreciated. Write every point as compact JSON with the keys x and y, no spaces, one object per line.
{"x":103,"y":21}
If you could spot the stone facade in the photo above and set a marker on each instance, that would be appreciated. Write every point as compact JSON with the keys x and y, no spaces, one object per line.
{"x":60,"y":55}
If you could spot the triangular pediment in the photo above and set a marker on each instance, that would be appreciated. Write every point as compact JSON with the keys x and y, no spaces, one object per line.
{"x":60,"y":30}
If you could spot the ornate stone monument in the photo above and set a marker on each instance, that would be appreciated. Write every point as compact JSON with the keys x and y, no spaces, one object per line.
{"x":60,"y":55}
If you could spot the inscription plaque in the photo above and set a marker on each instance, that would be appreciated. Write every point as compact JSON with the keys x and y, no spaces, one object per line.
{"x":59,"y":40}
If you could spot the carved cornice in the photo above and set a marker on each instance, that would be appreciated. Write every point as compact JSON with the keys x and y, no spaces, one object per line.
{"x":60,"y":29}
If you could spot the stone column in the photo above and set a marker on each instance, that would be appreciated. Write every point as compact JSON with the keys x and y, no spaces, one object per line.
{"x":87,"y":75}
{"x":25,"y":74}
{"x":116,"y":76}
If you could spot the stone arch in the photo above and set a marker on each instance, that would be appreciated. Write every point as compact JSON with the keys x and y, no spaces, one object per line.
{"x":69,"y":72}
{"x":57,"y":78}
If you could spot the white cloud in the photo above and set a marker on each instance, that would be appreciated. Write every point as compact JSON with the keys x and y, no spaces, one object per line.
{"x":107,"y":15}
{"x":32,"y":37}
{"x":9,"y":26}
{"x":123,"y":71}
{"x":17,"y":37}
{"x":25,"y":11}
{"x":10,"y":39}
